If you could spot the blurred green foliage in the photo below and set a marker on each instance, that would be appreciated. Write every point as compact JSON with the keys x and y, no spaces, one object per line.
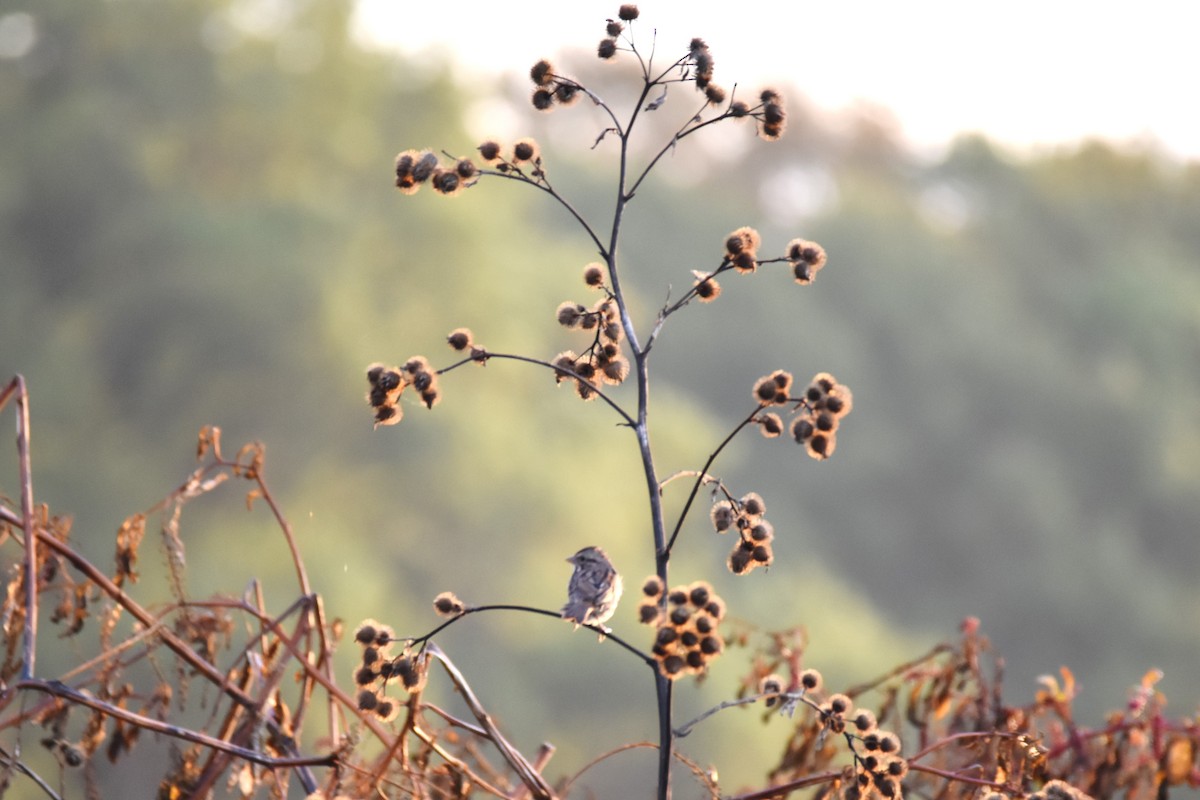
{"x":197,"y":226}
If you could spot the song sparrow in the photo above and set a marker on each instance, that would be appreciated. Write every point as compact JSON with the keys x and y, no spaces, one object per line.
{"x":594,"y":590}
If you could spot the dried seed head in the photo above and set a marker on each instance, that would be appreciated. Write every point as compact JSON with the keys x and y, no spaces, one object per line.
{"x":569,"y":314}
{"x":365,"y":634}
{"x":722,"y":516}
{"x":593,"y":275}
{"x":489,"y":151}
{"x":466,"y":169}
{"x":566,"y":93}
{"x":707,"y":289}
{"x":542,"y":73}
{"x":770,"y":425}
{"x":627,"y":12}
{"x":752,"y":504}
{"x":448,"y":605}
{"x":606,"y":49}
{"x":771,"y":684}
{"x":459,"y":338}
{"x":525,"y":150}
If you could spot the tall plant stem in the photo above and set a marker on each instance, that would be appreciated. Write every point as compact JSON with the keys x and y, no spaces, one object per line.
{"x":641,"y":428}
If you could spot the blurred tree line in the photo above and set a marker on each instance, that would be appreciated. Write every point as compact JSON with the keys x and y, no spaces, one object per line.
{"x":197,"y":226}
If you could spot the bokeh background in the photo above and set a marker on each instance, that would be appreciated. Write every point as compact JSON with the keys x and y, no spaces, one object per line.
{"x":197,"y":226}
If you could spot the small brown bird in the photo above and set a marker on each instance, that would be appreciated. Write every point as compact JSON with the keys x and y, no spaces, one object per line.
{"x":594,"y":590}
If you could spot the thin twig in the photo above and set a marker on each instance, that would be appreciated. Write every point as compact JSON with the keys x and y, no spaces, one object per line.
{"x":703,"y":474}
{"x":686,"y":729}
{"x":529,"y":776}
{"x":60,"y":689}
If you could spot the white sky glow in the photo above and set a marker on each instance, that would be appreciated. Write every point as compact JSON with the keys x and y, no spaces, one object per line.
{"x":1027,"y":73}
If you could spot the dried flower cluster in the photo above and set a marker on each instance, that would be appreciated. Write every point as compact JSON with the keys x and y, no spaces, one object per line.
{"x":416,"y":167}
{"x":607,"y":48}
{"x":755,"y":533}
{"x":825,"y":403}
{"x":388,"y":383}
{"x":686,"y":638}
{"x":524,"y":154}
{"x":602,"y":361}
{"x":377,"y":667}
{"x":551,"y":88}
{"x":806,"y":259}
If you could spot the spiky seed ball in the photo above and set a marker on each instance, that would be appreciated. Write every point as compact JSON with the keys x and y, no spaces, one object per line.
{"x":542,"y":99}
{"x":770,"y":684}
{"x":425,"y":166}
{"x":627,"y":12}
{"x":648,"y":613}
{"x":715,"y":608}
{"x":699,"y":594}
{"x":711,"y":645}
{"x":810,"y":679}
{"x":753,"y":504}
{"x":864,"y":720}
{"x":722,"y":516}
{"x":489,"y":151}
{"x":569,"y":314}
{"x":738,"y":109}
{"x":653,"y":587}
{"x":606,"y":49}
{"x":765,"y":390}
{"x":802,"y":429}
{"x":614,"y":28}
{"x":770,"y":425}
{"x":707,"y":289}
{"x":695,"y":659}
{"x":739,"y":562}
{"x":542,"y":73}
{"x":840,"y":704}
{"x":593,"y":275}
{"x":822,"y":445}
{"x":566,"y":93}
{"x":672,"y":665}
{"x":367,"y":700}
{"x":616,"y":370}
{"x":447,"y":604}
{"x":465,"y":168}
{"x":677,"y":597}
{"x":459,"y":338}
{"x":525,"y":150}
{"x":365,"y":676}
{"x":365,"y":633}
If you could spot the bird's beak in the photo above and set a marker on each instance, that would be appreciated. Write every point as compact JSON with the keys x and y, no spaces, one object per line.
{"x":572,"y":560}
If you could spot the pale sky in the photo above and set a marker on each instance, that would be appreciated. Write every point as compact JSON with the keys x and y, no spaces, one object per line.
{"x":1027,"y":73}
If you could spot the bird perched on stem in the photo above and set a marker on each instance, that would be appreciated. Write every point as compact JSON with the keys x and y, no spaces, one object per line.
{"x":594,"y":590}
